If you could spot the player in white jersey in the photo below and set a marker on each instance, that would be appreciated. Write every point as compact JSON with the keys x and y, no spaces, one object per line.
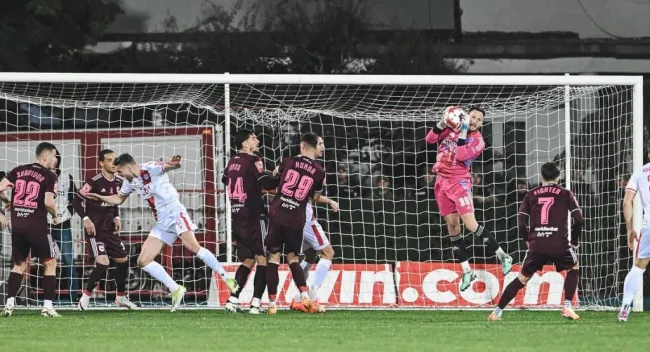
{"x":314,"y":242}
{"x":638,"y":183}
{"x":150,"y":181}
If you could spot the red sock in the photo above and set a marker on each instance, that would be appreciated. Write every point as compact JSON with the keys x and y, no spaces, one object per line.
{"x":298,"y":276}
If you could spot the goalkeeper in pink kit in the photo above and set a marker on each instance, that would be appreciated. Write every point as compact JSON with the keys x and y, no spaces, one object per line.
{"x":459,"y":143}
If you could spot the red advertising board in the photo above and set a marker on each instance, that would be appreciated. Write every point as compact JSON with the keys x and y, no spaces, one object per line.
{"x":419,"y":285}
{"x":437,"y":285}
{"x":346,"y":285}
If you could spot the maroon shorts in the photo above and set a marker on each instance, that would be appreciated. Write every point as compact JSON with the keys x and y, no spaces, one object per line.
{"x":535,"y":261}
{"x":250,"y":239}
{"x":39,"y":243}
{"x":280,"y":235}
{"x":106,"y":244}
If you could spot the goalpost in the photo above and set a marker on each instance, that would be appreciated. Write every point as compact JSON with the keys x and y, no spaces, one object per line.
{"x":390,"y":242}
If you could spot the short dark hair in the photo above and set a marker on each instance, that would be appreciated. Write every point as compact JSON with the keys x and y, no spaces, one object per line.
{"x":241,"y":136}
{"x":43,"y":147}
{"x":102,"y":154}
{"x":124,"y":159}
{"x":310,"y":138}
{"x":550,"y":172}
{"x":476,"y":108}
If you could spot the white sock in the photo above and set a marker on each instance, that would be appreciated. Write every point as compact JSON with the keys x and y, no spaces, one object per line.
{"x":501,"y":254}
{"x":305,"y":268}
{"x":11,"y":301}
{"x":633,"y":280}
{"x":465,"y":266}
{"x":159,"y":273}
{"x":208,"y":258}
{"x":322,"y":268}
{"x":47,"y":304}
{"x":256,"y":302}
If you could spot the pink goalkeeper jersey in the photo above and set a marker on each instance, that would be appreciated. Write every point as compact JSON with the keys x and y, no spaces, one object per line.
{"x":453,"y":161}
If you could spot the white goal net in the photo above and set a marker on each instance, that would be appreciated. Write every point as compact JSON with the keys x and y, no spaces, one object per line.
{"x":391,"y":243}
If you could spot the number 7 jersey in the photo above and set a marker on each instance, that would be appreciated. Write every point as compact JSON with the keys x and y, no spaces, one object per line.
{"x":301,"y":178}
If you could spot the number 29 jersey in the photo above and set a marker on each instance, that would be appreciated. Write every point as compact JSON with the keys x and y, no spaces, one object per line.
{"x":301,"y":177}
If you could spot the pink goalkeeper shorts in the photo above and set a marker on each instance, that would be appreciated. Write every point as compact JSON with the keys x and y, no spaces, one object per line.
{"x":453,"y":196}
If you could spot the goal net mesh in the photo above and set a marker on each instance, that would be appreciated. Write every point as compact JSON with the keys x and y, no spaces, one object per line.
{"x":390,"y":242}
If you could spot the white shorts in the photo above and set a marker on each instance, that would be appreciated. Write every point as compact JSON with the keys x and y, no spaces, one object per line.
{"x":313,"y":236}
{"x":168,"y":229}
{"x":643,"y":248}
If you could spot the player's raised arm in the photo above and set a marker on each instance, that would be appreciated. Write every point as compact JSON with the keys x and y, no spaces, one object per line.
{"x":173,"y":164}
{"x":440,"y":131}
{"x":468,"y":150}
{"x":325,"y":200}
{"x":115,"y":199}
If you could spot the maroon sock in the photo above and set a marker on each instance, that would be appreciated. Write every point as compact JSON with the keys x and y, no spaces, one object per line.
{"x":259,"y":282}
{"x":571,"y":284}
{"x":510,"y":292}
{"x":241,"y":276}
{"x":49,"y":287}
{"x":121,"y":274}
{"x":272,"y":280}
{"x":298,"y":276}
{"x":98,"y":272}
{"x":13,"y":284}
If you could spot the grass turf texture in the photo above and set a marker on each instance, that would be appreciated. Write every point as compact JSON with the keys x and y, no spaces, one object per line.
{"x":202,"y":330}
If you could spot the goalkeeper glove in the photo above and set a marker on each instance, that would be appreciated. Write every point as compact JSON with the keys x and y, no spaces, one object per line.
{"x":463,"y":129}
{"x":442,"y":124}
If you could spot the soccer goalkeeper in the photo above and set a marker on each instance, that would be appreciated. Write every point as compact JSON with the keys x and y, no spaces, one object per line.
{"x":459,"y":143}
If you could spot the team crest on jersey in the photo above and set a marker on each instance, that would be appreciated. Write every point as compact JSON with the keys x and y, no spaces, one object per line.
{"x":112,"y":190}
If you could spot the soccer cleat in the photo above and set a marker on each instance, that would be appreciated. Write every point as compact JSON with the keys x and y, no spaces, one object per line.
{"x":84,"y":301}
{"x":316,"y":308}
{"x":9,"y":309}
{"x":177,"y":297}
{"x":467,"y":279}
{"x":569,"y":313}
{"x":123,"y":301}
{"x":256,"y":310}
{"x":494,"y":317}
{"x":232,"y":305}
{"x":307,"y":303}
{"x":297,"y":306}
{"x":232,"y":285}
{"x":273,"y":310}
{"x":49,"y":312}
{"x":624,"y":313}
{"x":506,"y":265}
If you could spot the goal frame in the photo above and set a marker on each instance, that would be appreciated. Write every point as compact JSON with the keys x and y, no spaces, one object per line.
{"x":636,"y":82}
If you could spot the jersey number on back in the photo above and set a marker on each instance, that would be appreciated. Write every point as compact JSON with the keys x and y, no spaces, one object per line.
{"x":237,"y":190}
{"x":546,"y":203}
{"x":26,"y":193}
{"x":293,"y":180}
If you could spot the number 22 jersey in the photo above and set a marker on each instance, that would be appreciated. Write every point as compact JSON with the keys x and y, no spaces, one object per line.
{"x":301,"y":177}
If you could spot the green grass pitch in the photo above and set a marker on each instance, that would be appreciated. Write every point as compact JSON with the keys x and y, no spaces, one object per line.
{"x":338,"y":331}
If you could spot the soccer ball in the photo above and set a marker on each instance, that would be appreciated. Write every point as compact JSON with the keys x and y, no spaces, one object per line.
{"x":454,"y":116}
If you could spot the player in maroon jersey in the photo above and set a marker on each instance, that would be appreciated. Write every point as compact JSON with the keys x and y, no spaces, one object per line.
{"x":102,"y":227}
{"x":301,"y":179}
{"x":35,"y":187}
{"x":245,"y":178}
{"x":543,"y":224}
